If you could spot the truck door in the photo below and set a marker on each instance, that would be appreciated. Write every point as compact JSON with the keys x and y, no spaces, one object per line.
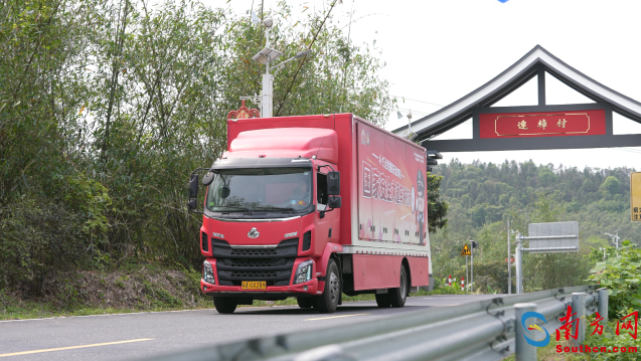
{"x":326,"y":227}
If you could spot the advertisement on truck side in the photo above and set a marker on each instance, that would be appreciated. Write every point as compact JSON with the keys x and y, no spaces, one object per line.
{"x":392,"y":189}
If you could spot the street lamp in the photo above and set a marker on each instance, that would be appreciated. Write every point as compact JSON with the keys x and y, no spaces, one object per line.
{"x":267,"y":56}
{"x":615,"y":238}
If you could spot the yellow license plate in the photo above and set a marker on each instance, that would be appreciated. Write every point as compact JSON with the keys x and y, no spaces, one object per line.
{"x":254,"y":285}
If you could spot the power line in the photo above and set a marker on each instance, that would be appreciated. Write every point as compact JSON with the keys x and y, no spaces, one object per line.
{"x":419,"y":101}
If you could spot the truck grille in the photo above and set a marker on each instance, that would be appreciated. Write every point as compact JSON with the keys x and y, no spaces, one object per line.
{"x":254,"y":252}
{"x":273,"y":265}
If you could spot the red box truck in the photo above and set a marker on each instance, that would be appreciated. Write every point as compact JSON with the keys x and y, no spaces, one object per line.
{"x":312,"y":207}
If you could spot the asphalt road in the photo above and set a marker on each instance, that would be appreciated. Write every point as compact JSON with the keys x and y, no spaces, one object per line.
{"x":138,"y":335}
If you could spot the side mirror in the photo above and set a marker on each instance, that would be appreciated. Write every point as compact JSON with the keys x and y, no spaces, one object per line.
{"x":208,"y":178}
{"x":191,"y":205}
{"x":333,"y":183}
{"x":193,"y":186}
{"x":334,"y":202}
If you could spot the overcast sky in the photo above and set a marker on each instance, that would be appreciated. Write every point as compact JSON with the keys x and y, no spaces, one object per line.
{"x":439,"y":51}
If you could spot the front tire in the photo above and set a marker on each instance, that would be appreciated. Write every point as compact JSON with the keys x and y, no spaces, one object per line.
{"x":398,"y":296}
{"x":305,"y":302}
{"x":328,"y":301}
{"x":225,"y":305}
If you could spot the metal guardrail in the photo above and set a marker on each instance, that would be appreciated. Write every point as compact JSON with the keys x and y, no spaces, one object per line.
{"x":481,"y":331}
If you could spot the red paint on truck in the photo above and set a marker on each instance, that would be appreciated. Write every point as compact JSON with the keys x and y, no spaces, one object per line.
{"x":380,"y":228}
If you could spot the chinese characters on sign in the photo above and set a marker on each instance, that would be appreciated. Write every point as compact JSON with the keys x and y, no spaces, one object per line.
{"x":635,"y":196}
{"x":542,"y":124}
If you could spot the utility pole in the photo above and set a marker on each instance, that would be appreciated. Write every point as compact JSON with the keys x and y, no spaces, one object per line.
{"x":519,"y":266}
{"x":509,"y":258}
{"x":467,"y":272}
{"x":266,"y":56}
{"x":471,"y":281}
{"x":268,"y":79}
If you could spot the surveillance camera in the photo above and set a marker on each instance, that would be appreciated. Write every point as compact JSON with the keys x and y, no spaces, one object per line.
{"x":268,"y":22}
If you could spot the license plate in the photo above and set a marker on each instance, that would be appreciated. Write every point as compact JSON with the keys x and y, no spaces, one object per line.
{"x":254,"y":285}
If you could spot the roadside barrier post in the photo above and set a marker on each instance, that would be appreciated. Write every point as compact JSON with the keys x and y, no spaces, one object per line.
{"x":524,"y":351}
{"x":462,"y":284}
{"x":578,"y":308}
{"x":603,"y":303}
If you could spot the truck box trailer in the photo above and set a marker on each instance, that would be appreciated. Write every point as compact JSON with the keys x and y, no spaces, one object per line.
{"x":312,"y":207}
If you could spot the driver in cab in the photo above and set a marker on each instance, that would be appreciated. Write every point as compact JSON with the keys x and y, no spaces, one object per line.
{"x":301,"y":194}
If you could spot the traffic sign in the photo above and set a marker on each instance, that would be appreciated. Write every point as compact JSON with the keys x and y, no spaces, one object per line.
{"x":466,"y":251}
{"x":635,"y":196}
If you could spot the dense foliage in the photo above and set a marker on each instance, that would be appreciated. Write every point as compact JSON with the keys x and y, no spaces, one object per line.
{"x":483,"y":196}
{"x":621,"y":275}
{"x":107,"y":106}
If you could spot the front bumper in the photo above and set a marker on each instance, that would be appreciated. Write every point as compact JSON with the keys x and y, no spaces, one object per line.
{"x":311,"y":285}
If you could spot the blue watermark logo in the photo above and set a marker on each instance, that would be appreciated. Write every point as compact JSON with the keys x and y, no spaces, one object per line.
{"x":527,"y":329}
{"x":503,"y":1}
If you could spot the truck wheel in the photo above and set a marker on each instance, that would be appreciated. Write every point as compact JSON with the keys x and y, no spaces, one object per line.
{"x":305,"y":302}
{"x":382,"y":300}
{"x":226,"y":305}
{"x":328,"y":301}
{"x":398,"y":296}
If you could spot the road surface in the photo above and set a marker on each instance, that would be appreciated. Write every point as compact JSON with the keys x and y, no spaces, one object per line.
{"x":139,"y":335}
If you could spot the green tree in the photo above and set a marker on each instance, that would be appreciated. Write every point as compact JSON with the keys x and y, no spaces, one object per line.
{"x":436,"y":208}
{"x":611,"y":185}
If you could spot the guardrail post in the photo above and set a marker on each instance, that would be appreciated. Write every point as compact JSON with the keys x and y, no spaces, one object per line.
{"x":524,"y":351}
{"x":603,"y":303}
{"x":578,"y":307}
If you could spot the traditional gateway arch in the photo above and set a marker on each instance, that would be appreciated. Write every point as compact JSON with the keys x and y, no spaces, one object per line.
{"x":572,"y":126}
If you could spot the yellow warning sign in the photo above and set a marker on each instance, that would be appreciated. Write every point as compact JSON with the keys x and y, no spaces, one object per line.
{"x":466,"y":249}
{"x":635,"y":196}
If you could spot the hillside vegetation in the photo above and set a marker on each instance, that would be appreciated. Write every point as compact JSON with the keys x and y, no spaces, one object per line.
{"x":482,"y":196}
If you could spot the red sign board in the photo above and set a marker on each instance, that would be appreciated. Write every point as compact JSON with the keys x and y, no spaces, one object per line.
{"x":542,"y":124}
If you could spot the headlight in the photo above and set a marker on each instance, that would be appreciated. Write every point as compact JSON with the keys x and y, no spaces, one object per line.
{"x":304,"y":272}
{"x":208,"y":273}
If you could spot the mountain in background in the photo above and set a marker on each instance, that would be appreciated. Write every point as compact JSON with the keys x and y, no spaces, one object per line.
{"x":482,"y":196}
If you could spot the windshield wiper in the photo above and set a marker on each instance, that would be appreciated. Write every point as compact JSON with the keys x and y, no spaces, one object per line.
{"x":235,"y":207}
{"x":275,"y":208}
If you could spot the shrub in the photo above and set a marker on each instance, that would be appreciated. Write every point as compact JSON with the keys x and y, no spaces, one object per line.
{"x":621,"y":274}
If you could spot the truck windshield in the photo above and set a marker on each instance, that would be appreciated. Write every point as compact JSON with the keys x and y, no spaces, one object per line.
{"x":261,"y":190}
